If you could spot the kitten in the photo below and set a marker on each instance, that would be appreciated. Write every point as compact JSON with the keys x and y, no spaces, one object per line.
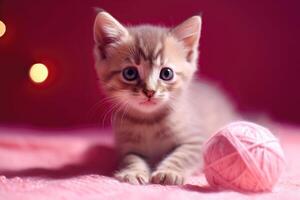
{"x":165,"y":115}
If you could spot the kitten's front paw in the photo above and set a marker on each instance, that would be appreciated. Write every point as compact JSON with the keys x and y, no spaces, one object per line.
{"x":133,"y":177}
{"x":167,"y":177}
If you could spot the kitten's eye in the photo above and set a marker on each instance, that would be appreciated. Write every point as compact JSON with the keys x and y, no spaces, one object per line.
{"x":166,"y":74}
{"x":130,"y":73}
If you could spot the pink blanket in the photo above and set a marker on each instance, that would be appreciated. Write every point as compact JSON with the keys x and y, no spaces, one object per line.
{"x":78,"y":165}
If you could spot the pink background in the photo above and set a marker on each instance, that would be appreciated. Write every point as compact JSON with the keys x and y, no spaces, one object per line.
{"x":251,"y":48}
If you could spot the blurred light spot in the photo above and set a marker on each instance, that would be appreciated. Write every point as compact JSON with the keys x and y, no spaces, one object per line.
{"x":2,"y":28}
{"x":38,"y":73}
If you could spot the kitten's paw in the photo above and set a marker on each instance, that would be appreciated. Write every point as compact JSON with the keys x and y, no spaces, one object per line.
{"x":133,"y":177}
{"x":167,"y":177}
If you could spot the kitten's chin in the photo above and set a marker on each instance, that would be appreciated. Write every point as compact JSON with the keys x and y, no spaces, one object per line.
{"x":147,"y":106}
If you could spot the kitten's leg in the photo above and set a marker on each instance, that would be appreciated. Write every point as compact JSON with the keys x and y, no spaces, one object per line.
{"x":135,"y":170}
{"x":177,"y":165}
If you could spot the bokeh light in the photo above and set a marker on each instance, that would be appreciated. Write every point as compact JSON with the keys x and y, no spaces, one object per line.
{"x":2,"y":28}
{"x":38,"y":73}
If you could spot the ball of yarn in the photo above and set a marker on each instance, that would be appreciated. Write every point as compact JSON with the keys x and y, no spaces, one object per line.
{"x":243,"y":156}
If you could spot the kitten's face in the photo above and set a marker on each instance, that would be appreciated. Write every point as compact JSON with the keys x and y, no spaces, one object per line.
{"x":145,"y":68}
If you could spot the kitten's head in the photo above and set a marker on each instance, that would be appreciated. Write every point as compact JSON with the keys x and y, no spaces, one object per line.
{"x":145,"y":67}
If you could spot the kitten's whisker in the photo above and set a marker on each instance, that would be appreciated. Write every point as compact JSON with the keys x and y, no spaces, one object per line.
{"x":116,"y":110}
{"x":124,"y":112}
{"x":108,"y":112}
{"x":171,"y":104}
{"x":114,"y":114}
{"x":93,"y":110}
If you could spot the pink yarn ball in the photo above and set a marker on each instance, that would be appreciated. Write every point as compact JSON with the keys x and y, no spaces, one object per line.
{"x":243,"y":156}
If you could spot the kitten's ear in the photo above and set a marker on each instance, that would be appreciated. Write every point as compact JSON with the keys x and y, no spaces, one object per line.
{"x":189,"y":32}
{"x":107,"y":30}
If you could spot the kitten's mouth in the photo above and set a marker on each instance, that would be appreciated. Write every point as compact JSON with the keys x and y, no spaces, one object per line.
{"x":148,"y":102}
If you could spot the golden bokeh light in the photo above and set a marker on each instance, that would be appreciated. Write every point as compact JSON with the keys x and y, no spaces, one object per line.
{"x":38,"y":73}
{"x":2,"y":28}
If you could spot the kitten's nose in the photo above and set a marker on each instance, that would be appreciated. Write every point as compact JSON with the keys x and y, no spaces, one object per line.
{"x":149,"y":93}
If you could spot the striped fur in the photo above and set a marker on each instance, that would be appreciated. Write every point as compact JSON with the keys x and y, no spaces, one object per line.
{"x":158,"y":143}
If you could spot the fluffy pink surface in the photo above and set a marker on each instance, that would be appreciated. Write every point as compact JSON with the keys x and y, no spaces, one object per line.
{"x":79,"y":165}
